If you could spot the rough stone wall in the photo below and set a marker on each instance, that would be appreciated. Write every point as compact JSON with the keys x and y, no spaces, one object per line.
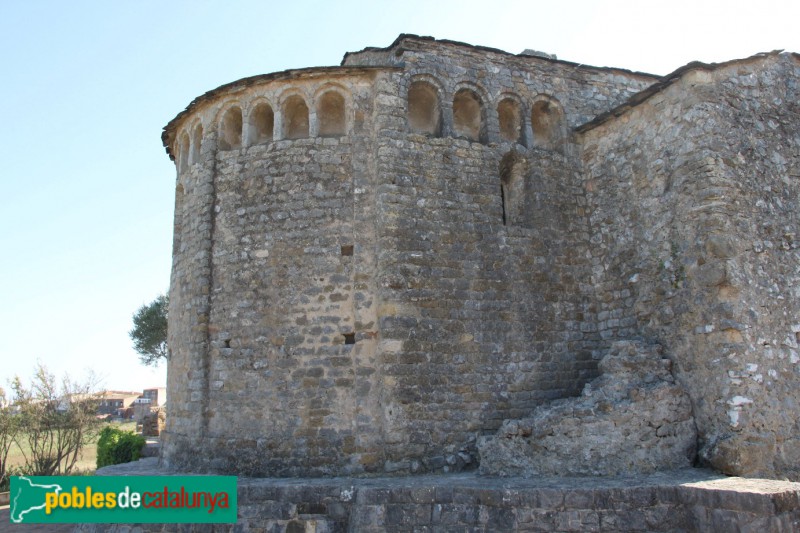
{"x":284,"y":298}
{"x":373,"y":301}
{"x":693,"y":195}
{"x":492,"y":313}
{"x":280,"y":378}
{"x":634,"y":418}
{"x":682,"y":500}
{"x":481,"y":318}
{"x":153,"y":422}
{"x":352,"y":294}
{"x":759,"y":151}
{"x":583,"y":91}
{"x":189,"y":304}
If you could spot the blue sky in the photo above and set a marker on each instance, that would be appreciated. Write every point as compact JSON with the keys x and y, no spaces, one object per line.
{"x":85,"y":88}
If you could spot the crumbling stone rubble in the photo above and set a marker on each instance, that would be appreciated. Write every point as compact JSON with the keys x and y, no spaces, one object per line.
{"x":153,"y":422}
{"x":633,"y":418}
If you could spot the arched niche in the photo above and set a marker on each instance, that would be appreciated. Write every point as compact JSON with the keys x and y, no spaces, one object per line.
{"x":548,"y":123}
{"x":424,"y":112}
{"x":183,"y":152}
{"x":509,"y":114}
{"x":197,"y":142}
{"x":513,"y":169}
{"x":331,"y":114}
{"x":261,"y":123}
{"x":467,"y":115}
{"x":295,"y":118}
{"x":230,"y":129}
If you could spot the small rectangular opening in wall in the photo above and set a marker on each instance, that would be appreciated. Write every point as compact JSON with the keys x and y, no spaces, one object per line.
{"x":312,"y":508}
{"x":349,"y":338}
{"x":347,"y":250}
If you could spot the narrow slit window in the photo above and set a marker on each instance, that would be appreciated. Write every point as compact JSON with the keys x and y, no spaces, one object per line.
{"x":513,"y":168}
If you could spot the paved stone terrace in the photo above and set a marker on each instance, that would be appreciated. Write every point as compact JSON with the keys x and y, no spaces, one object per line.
{"x":681,"y":500}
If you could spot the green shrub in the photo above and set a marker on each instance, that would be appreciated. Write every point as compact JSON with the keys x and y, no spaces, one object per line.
{"x":116,"y":446}
{"x":5,"y":482}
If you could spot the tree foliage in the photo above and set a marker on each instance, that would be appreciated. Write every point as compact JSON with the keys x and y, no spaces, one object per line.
{"x":9,"y":427}
{"x":54,"y":423}
{"x":149,"y":333}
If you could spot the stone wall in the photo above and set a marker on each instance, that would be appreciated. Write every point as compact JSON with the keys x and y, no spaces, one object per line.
{"x":583,"y":91}
{"x":378,"y":263}
{"x":693,"y":197}
{"x":634,"y":418}
{"x":683,"y":500}
{"x":275,"y":287}
{"x":492,"y":312}
{"x":376,"y":299}
{"x":483,"y":311}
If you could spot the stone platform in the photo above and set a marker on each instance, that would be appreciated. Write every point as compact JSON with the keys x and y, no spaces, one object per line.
{"x":681,"y":500}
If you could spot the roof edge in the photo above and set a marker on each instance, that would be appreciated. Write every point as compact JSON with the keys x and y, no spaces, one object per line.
{"x":249,"y":81}
{"x":410,"y":36}
{"x":664,"y":83}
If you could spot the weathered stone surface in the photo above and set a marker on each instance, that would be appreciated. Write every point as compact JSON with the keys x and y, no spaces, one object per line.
{"x":377,"y":264}
{"x":633,"y":418}
{"x":693,"y":199}
{"x":681,"y":500}
{"x":153,"y":422}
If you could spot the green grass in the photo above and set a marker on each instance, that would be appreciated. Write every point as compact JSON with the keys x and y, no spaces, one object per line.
{"x":87,"y":461}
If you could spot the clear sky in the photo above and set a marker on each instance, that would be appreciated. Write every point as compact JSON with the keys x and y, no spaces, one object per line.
{"x":85,"y":88}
